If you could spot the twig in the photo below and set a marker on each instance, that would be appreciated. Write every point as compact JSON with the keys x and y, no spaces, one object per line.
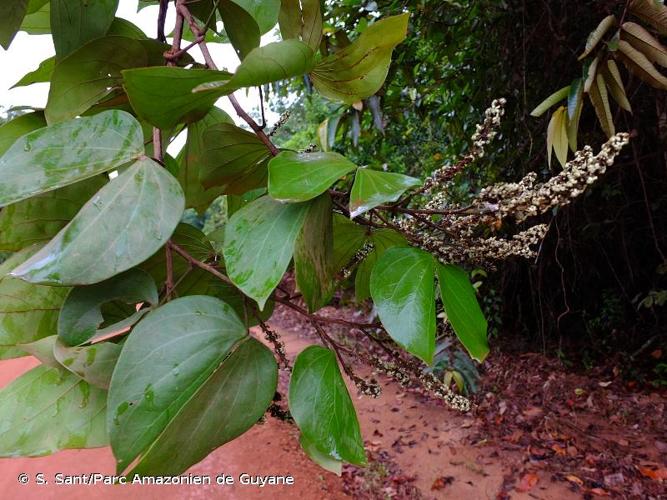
{"x":199,"y":263}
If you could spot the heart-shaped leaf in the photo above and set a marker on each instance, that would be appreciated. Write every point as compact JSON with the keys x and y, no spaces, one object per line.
{"x":230,"y":401}
{"x":65,"y":153}
{"x":403,"y":292}
{"x":105,"y":238}
{"x":303,"y":176}
{"x":164,"y":362}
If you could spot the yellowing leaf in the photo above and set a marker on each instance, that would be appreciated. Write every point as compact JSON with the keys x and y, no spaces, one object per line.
{"x":643,"y":41}
{"x":613,"y":79}
{"x":639,"y":64}
{"x":596,"y":35}
{"x":557,"y":135}
{"x":590,"y":78}
{"x":652,"y":12}
{"x":600,"y":100}
{"x":359,"y":70}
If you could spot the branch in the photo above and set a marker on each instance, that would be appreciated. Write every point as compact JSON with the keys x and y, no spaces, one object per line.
{"x":200,"y":34}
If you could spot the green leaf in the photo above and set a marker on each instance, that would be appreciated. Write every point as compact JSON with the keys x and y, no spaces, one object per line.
{"x":164,"y":362}
{"x":233,"y":159}
{"x":313,"y":255}
{"x":74,"y":22}
{"x":230,"y":401}
{"x":163,"y":96}
{"x":348,"y":237}
{"x":372,"y":188}
{"x":240,"y":26}
{"x":259,"y":242}
{"x":123,"y":27}
{"x":554,"y":98}
{"x":105,"y":238}
{"x":301,"y":20}
{"x":298,"y":177}
{"x":575,"y":104}
{"x":93,"y":363}
{"x":63,"y":154}
{"x":38,"y":22}
{"x":41,"y":74}
{"x":81,"y":314}
{"x":12,"y":13}
{"x":27,"y":312}
{"x":48,"y":410}
{"x":191,"y":162}
{"x":463,"y":311}
{"x":359,"y":70}
{"x":382,"y":240}
{"x":21,"y":125}
{"x":403,"y":293}
{"x":264,"y":12}
{"x":38,"y":219}
{"x":270,"y":63}
{"x":91,"y":73}
{"x":322,"y":408}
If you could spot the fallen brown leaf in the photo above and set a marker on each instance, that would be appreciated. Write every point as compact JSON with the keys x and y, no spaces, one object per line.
{"x":655,"y":474}
{"x":527,"y":482}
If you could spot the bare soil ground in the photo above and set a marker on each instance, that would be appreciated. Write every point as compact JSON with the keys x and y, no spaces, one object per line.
{"x":538,"y":431}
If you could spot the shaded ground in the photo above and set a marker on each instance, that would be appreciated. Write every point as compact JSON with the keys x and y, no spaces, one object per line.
{"x":537,"y":432}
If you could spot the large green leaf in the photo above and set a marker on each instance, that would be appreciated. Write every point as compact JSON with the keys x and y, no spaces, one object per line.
{"x":240,"y":26}
{"x":359,"y":70}
{"x":163,"y":96}
{"x":92,"y":363}
{"x":75,"y":22}
{"x":87,"y":75}
{"x":56,"y":156}
{"x":12,"y":13}
{"x":21,"y":125}
{"x":463,"y":311}
{"x":38,"y":219}
{"x":259,"y":242}
{"x":49,"y":409}
{"x":313,"y":254}
{"x":264,"y":12}
{"x":404,"y":295}
{"x":106,"y":238}
{"x":81,"y":314}
{"x":230,"y":401}
{"x":27,"y":312}
{"x":301,"y":19}
{"x":303,"y":176}
{"x":382,"y":240}
{"x":164,"y":362}
{"x":372,"y":188}
{"x":38,"y":20}
{"x":270,"y":63}
{"x":191,"y":162}
{"x":322,"y":408}
{"x":348,"y":237}
{"x":232,"y":158}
